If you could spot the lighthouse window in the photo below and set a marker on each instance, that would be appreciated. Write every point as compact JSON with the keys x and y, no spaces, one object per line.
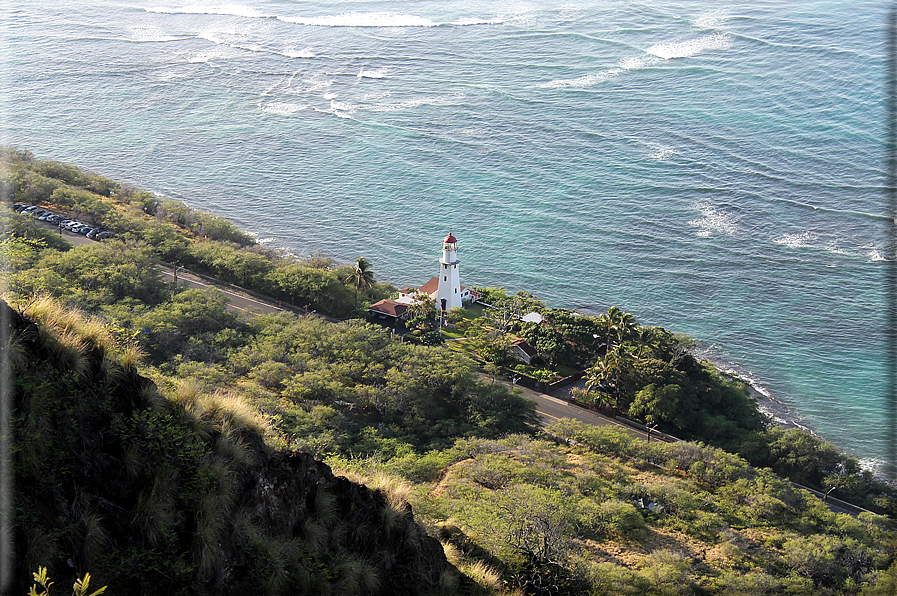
{"x":445,"y":278}
{"x":456,"y":290}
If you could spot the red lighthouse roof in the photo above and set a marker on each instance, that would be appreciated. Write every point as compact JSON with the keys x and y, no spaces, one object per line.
{"x":450,"y":239}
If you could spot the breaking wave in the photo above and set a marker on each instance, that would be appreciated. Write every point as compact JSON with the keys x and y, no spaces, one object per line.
{"x":691,"y":47}
{"x":713,"y":219}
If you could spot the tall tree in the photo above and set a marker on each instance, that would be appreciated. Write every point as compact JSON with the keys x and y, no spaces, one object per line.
{"x":361,"y":278}
{"x":606,"y":372}
{"x":621,"y":326}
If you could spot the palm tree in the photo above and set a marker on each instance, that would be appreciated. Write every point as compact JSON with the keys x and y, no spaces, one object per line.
{"x":621,"y":326}
{"x":606,"y":371}
{"x":362,"y":277}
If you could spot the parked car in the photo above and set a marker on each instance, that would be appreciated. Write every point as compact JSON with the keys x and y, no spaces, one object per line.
{"x":29,"y":210}
{"x":103,"y":235}
{"x":93,"y":233}
{"x":45,"y":216}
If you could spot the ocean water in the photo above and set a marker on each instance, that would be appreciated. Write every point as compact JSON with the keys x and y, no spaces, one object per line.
{"x":714,"y":168}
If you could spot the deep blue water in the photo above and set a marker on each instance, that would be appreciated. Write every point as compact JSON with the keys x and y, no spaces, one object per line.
{"x":713,"y":168}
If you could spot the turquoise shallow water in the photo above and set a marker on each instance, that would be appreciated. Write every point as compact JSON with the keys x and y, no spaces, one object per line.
{"x":714,"y":169}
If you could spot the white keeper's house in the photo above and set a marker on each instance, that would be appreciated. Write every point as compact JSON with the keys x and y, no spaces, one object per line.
{"x":445,"y":289}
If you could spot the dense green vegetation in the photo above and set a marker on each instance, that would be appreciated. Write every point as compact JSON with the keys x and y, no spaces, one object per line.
{"x":170,"y":437}
{"x":649,"y":374}
{"x":170,"y":231}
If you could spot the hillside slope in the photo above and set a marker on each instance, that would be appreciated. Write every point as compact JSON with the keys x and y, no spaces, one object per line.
{"x":152,"y":495}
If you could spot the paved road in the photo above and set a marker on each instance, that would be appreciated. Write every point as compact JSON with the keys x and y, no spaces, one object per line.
{"x":551,"y":409}
{"x":237,"y":301}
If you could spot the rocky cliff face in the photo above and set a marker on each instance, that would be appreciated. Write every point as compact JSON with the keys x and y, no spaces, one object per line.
{"x":156,"y":496}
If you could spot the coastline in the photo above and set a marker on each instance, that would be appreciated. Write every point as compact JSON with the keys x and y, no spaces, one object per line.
{"x":779,"y":412}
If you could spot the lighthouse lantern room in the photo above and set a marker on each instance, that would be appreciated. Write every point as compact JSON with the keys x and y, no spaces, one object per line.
{"x":448,"y":294}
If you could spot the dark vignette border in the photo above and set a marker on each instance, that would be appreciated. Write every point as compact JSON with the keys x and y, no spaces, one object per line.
{"x":890,"y":396}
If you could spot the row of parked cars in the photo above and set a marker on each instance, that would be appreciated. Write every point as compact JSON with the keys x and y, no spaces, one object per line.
{"x":63,"y":222}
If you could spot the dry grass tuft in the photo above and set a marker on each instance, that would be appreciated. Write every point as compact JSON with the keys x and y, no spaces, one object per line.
{"x":451,"y":553}
{"x":130,"y":356}
{"x":228,"y":411}
{"x":484,"y":575}
{"x":399,"y":492}
{"x":49,"y":312}
{"x":357,"y":576}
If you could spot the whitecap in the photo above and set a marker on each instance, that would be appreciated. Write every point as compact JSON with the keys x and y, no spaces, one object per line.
{"x":834,"y":247}
{"x":148,"y":34}
{"x":236,"y":10}
{"x":877,"y":467}
{"x":318,"y":85}
{"x":399,"y":105}
{"x":711,"y":20}
{"x":469,"y":21}
{"x":800,"y":240}
{"x":633,"y":63}
{"x":329,"y":96}
{"x":372,"y":74}
{"x":407,"y":104}
{"x":663,"y":153}
{"x":690,"y":47}
{"x":362,"y":19}
{"x":713,"y":220}
{"x":303,"y":53}
{"x":283,"y":108}
{"x":874,"y":254}
{"x":375,"y":96}
{"x":338,"y":106}
{"x":583,"y":81}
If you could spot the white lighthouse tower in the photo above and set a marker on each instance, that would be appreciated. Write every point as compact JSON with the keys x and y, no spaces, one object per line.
{"x":448,"y":294}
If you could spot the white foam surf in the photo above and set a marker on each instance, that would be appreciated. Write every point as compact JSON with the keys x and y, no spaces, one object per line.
{"x":662,"y":153}
{"x":236,"y":10}
{"x":383,"y":19}
{"x":799,"y":240}
{"x":280,"y":108}
{"x":138,"y":34}
{"x":583,"y":81}
{"x":691,"y":47}
{"x":874,"y":254}
{"x":711,"y":20}
{"x":713,"y":219}
{"x":372,"y":74}
{"x":294,"y":53}
{"x":362,"y":19}
{"x":625,"y":64}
